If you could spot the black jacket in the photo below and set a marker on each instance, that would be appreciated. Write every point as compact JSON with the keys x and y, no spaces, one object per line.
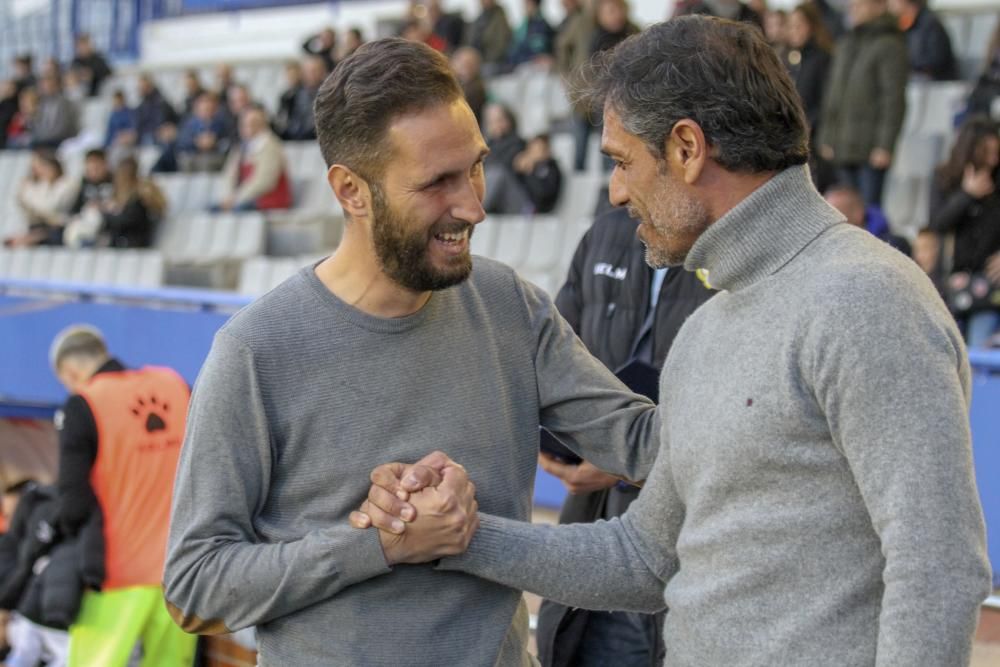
{"x":808,"y":68}
{"x":605,"y":300}
{"x":43,"y":572}
{"x":930,"y":48}
{"x":974,"y":223}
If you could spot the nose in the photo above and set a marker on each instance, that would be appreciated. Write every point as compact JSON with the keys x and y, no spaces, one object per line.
{"x":468,"y":205}
{"x":617,"y":192}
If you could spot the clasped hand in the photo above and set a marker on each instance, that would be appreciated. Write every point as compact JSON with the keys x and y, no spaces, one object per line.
{"x":422,"y":511}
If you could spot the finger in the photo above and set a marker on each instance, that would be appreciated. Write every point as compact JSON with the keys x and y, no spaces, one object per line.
{"x":419,"y":476}
{"x":390,"y":504}
{"x":360,"y":520}
{"x":388,"y":476}
{"x":557,"y":468}
{"x":382,"y":520}
{"x":454,"y":480}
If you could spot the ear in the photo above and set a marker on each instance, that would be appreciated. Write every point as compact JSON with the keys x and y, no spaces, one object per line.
{"x":687,"y":150}
{"x":350,"y":190}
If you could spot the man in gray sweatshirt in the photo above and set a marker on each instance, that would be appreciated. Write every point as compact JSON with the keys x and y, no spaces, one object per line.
{"x":813,"y":502}
{"x":393,"y":346}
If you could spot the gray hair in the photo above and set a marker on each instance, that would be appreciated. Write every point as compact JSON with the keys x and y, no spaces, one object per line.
{"x":77,"y":340}
{"x":721,"y":74}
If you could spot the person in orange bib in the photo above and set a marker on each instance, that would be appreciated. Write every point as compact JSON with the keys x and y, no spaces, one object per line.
{"x":120,"y":434}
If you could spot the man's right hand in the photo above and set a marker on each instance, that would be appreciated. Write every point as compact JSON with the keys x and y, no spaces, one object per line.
{"x":447,"y":516}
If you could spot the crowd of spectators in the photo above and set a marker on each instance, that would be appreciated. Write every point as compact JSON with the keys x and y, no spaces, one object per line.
{"x":851,"y":72}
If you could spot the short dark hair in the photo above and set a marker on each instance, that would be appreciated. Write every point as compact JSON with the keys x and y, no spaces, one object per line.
{"x":721,"y":74}
{"x":382,"y":80}
{"x":95,"y":153}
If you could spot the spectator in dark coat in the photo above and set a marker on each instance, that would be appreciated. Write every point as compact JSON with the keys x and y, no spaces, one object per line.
{"x":24,"y":72}
{"x":865,"y":100}
{"x":121,"y":128}
{"x":90,"y":65}
{"x":467,"y":65}
{"x":490,"y":34}
{"x":533,"y":38}
{"x":808,"y":58}
{"x":448,"y":26}
{"x":726,"y":9}
{"x":8,"y":108}
{"x":531,"y":185}
{"x":286,"y":103}
{"x":95,"y":186}
{"x":153,"y":111}
{"x":57,"y":119}
{"x":301,"y":125}
{"x":931,"y":55}
{"x":130,"y":216}
{"x":987,"y":87}
{"x":202,"y":141}
{"x":965,"y":202}
{"x":323,"y":45}
{"x":192,"y":90}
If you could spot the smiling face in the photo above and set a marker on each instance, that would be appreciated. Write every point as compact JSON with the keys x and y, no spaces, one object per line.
{"x":671,"y":216}
{"x":430,"y":197}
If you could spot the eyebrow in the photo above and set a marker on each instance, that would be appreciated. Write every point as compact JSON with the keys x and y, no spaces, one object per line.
{"x":448,"y":174}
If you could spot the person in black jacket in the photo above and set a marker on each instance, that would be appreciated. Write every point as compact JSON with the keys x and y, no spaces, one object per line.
{"x":965,"y":202}
{"x":808,"y":58}
{"x":91,"y":66}
{"x":531,"y":184}
{"x":931,"y":55}
{"x":43,"y":574}
{"x":623,"y":311}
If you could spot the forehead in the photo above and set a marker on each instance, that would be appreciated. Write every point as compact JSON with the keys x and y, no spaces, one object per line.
{"x":441,"y":138}
{"x":615,"y":139}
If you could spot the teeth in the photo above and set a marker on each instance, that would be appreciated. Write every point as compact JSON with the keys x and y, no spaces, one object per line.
{"x":454,"y":238}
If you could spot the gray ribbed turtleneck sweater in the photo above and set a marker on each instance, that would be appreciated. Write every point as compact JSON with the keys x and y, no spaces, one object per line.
{"x":813,"y":502}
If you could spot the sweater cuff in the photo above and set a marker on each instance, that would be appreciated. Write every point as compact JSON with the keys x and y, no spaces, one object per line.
{"x":490,"y":547}
{"x":359,"y":557}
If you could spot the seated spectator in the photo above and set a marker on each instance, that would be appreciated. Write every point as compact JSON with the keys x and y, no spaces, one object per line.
{"x":965,"y":202}
{"x":44,"y":196}
{"x":43,"y":574}
{"x":256,"y":175}
{"x":447,"y":26}
{"x":324,"y":46}
{"x":286,"y":103}
{"x":931,"y":56}
{"x":91,"y":66}
{"x":74,"y":87}
{"x":501,"y":137}
{"x":20,"y":128}
{"x":987,"y":87}
{"x":202,"y":140}
{"x":57,"y":119}
{"x":531,"y":186}
{"x":734,"y":10}
{"x":237,"y":101}
{"x":95,"y":187}
{"x":153,"y":111}
{"x":301,"y":124}
{"x":848,"y":200}
{"x":122,"y":129}
{"x":192,"y":90}
{"x":490,"y":34}
{"x":8,"y":108}
{"x":224,"y":80}
{"x":129,"y":218}
{"x":467,"y":66}
{"x":352,"y":42}
{"x":24,"y":72}
{"x":533,"y":39}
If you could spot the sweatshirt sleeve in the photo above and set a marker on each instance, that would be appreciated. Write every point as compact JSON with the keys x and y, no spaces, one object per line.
{"x":889,"y":371}
{"x":220,"y":574}
{"x":621,"y":564}
{"x":582,"y":403}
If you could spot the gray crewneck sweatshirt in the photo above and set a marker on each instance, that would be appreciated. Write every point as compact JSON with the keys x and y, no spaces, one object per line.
{"x":813,"y":502}
{"x":302,"y":395}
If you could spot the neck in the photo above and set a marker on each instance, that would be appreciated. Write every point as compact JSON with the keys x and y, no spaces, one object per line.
{"x":354,"y":276}
{"x":726,"y":189}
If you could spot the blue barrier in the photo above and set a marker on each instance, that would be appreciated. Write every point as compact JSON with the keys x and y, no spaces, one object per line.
{"x":985,"y":421}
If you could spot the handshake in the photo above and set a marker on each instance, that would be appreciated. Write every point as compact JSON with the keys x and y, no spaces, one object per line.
{"x":422,"y":511}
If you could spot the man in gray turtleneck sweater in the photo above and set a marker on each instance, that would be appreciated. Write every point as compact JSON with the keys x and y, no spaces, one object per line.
{"x":813,"y":501}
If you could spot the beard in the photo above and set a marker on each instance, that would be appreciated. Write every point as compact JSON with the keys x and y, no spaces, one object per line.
{"x":403,"y":253}
{"x":676,"y":219}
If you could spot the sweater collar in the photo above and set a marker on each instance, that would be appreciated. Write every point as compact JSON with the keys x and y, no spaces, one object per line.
{"x":763,"y":232}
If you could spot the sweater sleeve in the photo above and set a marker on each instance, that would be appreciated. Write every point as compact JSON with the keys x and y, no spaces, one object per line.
{"x":621,"y":564}
{"x":889,"y":371}
{"x":221,"y":575}
{"x":582,"y":403}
